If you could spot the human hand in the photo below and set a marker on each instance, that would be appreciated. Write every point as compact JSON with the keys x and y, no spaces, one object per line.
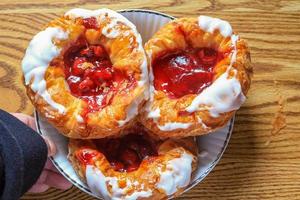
{"x":49,"y":177}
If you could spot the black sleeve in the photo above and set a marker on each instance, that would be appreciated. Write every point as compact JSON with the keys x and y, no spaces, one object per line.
{"x":23,"y":154}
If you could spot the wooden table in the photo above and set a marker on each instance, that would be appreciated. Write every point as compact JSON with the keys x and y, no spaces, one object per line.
{"x":260,"y":162}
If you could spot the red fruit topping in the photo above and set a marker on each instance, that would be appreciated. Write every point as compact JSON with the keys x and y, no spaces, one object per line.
{"x":133,"y":145}
{"x":132,"y":167}
{"x":112,"y":147}
{"x":126,"y":153}
{"x":187,"y":72}
{"x":208,"y":56}
{"x":146,"y":151}
{"x":90,"y":23}
{"x":86,"y":85}
{"x":102,"y":64}
{"x":117,"y":166}
{"x":90,"y":74}
{"x":77,"y":66}
{"x":98,"y":51}
{"x":86,"y":156}
{"x":73,"y":82}
{"x":129,"y":157}
{"x":87,"y":52}
{"x":105,"y":74}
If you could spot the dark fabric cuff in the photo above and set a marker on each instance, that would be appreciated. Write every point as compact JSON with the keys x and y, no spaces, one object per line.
{"x":1,"y":174}
{"x":24,"y":154}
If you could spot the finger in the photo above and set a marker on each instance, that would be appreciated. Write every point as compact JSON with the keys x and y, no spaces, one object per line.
{"x":43,"y":177}
{"x":57,"y":181}
{"x":50,"y":145}
{"x":29,"y":121}
{"x":38,"y":188}
{"x":26,"y":119}
{"x":49,"y":166}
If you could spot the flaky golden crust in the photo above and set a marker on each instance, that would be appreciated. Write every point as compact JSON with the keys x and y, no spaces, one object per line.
{"x":148,"y":174}
{"x":178,"y":35}
{"x":125,"y":55}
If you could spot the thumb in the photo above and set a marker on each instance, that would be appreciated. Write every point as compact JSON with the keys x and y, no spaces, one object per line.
{"x":50,"y":145}
{"x":29,"y":121}
{"x":26,"y":119}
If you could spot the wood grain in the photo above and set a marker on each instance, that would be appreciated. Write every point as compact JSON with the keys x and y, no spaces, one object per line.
{"x":256,"y":164}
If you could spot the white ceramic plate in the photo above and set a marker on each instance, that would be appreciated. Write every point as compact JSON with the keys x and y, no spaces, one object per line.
{"x":211,"y":146}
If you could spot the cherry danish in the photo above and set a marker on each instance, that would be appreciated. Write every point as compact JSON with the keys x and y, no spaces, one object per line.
{"x":134,"y":166}
{"x":199,"y":75}
{"x":86,"y":73}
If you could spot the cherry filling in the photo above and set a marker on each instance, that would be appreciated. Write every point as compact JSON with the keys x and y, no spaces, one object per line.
{"x":90,"y":23}
{"x":186,"y":72}
{"x":90,"y":75}
{"x":124,"y":154}
{"x":87,"y":156}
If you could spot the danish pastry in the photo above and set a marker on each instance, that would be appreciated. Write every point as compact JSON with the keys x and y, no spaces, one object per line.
{"x":135,"y":166}
{"x":87,"y":73}
{"x":199,"y":75}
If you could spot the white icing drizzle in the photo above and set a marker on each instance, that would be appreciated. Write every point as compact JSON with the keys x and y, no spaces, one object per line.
{"x":234,"y":39}
{"x":177,"y":174}
{"x":144,"y":81}
{"x":110,"y":31}
{"x":117,"y":192}
{"x":79,"y":118}
{"x":202,"y":123}
{"x":210,"y":24}
{"x":169,"y":126}
{"x":154,"y":113}
{"x":224,"y":94}
{"x":135,"y":183}
{"x":40,"y":52}
{"x":85,"y":13}
{"x":97,"y":183}
{"x":151,"y":96}
{"x":136,"y":195}
{"x":132,"y":110}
